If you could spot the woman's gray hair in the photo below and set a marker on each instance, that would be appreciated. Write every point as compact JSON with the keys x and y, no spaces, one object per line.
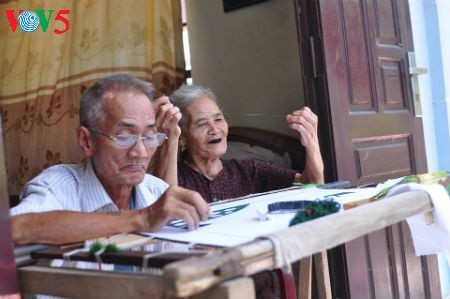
{"x":186,"y":94}
{"x":91,"y":105}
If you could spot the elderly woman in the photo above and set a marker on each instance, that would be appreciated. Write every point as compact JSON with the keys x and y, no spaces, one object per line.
{"x":203,"y":138}
{"x":204,"y":133}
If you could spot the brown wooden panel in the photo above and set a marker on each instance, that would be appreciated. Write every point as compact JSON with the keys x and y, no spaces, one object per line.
{"x":386,"y":22}
{"x":393,"y":85}
{"x":380,"y":157}
{"x":361,"y":97}
{"x":360,"y":285}
{"x":383,"y":265}
{"x":432,"y":276}
{"x":73,"y":283}
{"x":420,"y":275}
{"x":414,"y":279}
{"x":398,"y":260}
{"x":380,"y":264}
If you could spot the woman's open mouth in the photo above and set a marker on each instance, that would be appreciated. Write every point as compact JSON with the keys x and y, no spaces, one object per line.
{"x":215,"y":141}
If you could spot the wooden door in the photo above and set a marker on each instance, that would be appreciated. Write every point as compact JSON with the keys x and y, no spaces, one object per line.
{"x":356,"y":77}
{"x":355,"y":56}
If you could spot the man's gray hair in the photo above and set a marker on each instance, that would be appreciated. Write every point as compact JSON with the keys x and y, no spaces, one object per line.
{"x":91,"y":105}
{"x":186,"y":94}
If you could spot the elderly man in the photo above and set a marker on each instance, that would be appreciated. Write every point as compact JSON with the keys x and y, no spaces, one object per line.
{"x":111,"y":192}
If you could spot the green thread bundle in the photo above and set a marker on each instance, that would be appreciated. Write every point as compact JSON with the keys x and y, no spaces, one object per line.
{"x":316,"y":209}
{"x":95,"y":247}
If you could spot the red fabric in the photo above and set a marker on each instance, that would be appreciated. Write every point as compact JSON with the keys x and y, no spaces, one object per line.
{"x":287,"y":285}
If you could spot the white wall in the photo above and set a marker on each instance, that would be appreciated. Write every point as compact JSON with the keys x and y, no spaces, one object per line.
{"x":249,"y":58}
{"x":422,"y":60}
{"x":440,"y":75}
{"x":430,"y":21}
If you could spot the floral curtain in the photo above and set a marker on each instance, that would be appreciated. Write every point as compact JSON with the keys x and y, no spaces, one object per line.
{"x":44,"y":72}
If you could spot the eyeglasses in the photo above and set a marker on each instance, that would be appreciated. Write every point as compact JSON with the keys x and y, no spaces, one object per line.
{"x":130,"y":140}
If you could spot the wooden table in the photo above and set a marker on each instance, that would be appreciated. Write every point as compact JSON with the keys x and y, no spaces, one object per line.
{"x":224,"y":273}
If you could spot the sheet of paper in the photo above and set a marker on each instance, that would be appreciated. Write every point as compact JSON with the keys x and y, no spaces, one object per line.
{"x":235,"y":222}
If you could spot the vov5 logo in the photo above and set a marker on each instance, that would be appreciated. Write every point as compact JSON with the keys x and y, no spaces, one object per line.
{"x":29,"y":20}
